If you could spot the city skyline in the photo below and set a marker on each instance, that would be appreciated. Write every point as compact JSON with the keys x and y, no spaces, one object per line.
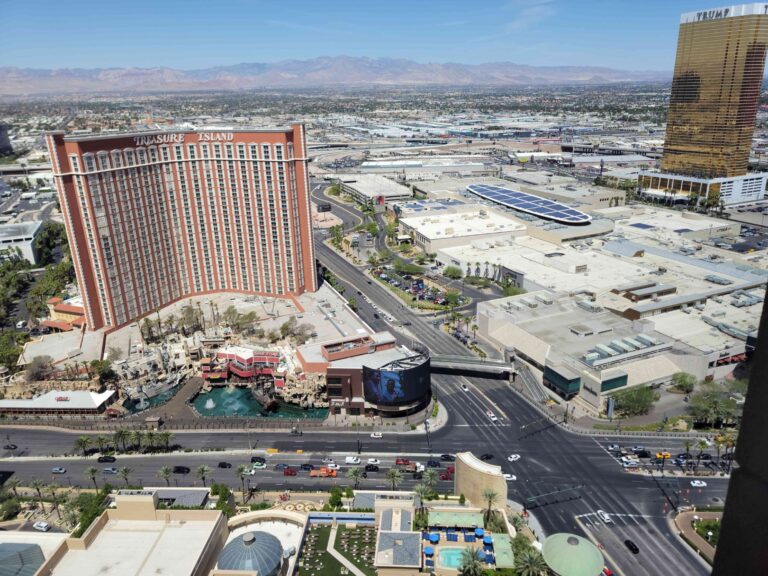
{"x":537,"y":32}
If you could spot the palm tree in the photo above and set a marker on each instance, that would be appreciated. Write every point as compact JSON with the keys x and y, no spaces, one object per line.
{"x":530,"y":563}
{"x":423,"y":492}
{"x":57,"y":500}
{"x":395,"y":477}
{"x":474,"y":328}
{"x":165,"y":438}
{"x":83,"y":443}
{"x":430,"y":477}
{"x":471,"y":564}
{"x":119,"y":437}
{"x":701,"y":445}
{"x":355,"y":474}
{"x":37,"y":485}
{"x":719,"y":443}
{"x":124,"y":473}
{"x":165,"y":473}
{"x":687,"y":445}
{"x":92,"y":472}
{"x":13,"y":485}
{"x":203,"y":472}
{"x":150,"y":438}
{"x":170,"y":322}
{"x":240,"y":471}
{"x":101,"y":441}
{"x":490,"y":496}
{"x":136,"y":436}
{"x":52,"y":490}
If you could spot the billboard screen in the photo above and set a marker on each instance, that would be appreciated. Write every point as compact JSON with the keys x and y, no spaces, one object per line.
{"x":396,"y":387}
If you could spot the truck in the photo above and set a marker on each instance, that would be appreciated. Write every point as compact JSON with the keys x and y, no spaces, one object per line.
{"x":322,"y":473}
{"x":28,"y":195}
{"x":411,"y":467}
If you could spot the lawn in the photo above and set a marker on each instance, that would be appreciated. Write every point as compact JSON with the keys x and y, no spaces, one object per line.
{"x":314,"y":558}
{"x":358,"y":545}
{"x":704,"y":526}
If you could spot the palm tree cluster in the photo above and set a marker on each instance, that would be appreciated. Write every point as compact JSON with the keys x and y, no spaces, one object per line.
{"x":124,"y":440}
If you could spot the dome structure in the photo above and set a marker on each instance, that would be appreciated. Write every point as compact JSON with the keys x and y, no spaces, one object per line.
{"x":253,"y":551}
{"x":571,"y":555}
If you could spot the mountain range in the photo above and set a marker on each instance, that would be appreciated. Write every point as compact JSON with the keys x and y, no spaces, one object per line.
{"x":339,"y":71}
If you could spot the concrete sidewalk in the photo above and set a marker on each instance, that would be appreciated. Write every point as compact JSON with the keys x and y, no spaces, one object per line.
{"x":683,"y":523}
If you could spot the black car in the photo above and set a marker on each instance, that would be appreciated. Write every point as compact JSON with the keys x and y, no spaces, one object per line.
{"x":447,"y":457}
{"x":371,"y":468}
{"x":10,"y":447}
{"x":307,"y":467}
{"x":684,"y":456}
{"x":705,"y":456}
{"x":281,"y":466}
{"x":418,"y":475}
{"x":102,"y":459}
{"x":486,"y":457}
{"x":643,"y":454}
{"x":433,"y":464}
{"x":180,"y":470}
{"x":259,"y":459}
{"x":632,"y":546}
{"x":224,"y":465}
{"x":376,"y":316}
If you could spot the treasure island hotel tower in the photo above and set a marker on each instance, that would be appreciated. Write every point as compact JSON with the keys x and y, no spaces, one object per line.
{"x":155,"y":217}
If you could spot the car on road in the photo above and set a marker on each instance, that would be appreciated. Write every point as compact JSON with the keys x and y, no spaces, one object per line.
{"x":376,"y":435}
{"x":492,"y":416}
{"x":258,"y":466}
{"x":607,"y":571}
{"x":281,"y":466}
{"x":632,"y":546}
{"x":376,"y":316}
{"x":510,"y":477}
{"x":663,"y":455}
{"x":513,"y":457}
{"x":261,"y":459}
{"x":464,"y":387}
{"x":289,"y":471}
{"x":333,"y":467}
{"x":307,"y":467}
{"x":705,"y":456}
{"x":111,"y":470}
{"x":643,"y":454}
{"x":58,"y":470}
{"x":371,"y":468}
{"x":328,"y":460}
{"x":684,"y":456}
{"x":374,"y":461}
{"x":614,"y":447}
{"x":447,"y":457}
{"x":486,"y":456}
{"x":106,"y":459}
{"x":224,"y":465}
{"x":698,"y":484}
{"x":604,"y":516}
{"x":433,"y":463}
{"x":637,"y":448}
{"x":402,"y":462}
{"x":10,"y":447}
{"x":354,"y":460}
{"x":181,"y":470}
{"x":41,"y":526}
{"x":418,"y":475}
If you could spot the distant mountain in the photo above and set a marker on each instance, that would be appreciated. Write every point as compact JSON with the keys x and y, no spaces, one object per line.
{"x":340,"y":71}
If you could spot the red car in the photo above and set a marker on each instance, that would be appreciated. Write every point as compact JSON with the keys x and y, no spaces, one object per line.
{"x":451,"y":469}
{"x":446,"y":476}
{"x":289,"y":472}
{"x":607,"y":571}
{"x":402,"y":462}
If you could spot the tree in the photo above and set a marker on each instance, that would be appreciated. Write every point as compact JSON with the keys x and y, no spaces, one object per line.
{"x":230,"y":316}
{"x":452,"y":272}
{"x":91,"y":472}
{"x":240,"y":472}
{"x":395,"y":477}
{"x":124,"y":473}
{"x":51,"y":236}
{"x":165,"y":473}
{"x":83,"y":443}
{"x":352,"y":302}
{"x":355,"y":474}
{"x":114,"y":354}
{"x":38,"y":369}
{"x":712,"y":404}
{"x":430,"y":477}
{"x":37,"y":485}
{"x":635,"y":401}
{"x":150,"y":438}
{"x":684,"y":381}
{"x":136,"y":436}
{"x":474,"y":328}
{"x":470,"y":564}
{"x":335,"y":499}
{"x":687,"y":445}
{"x":165,"y":438}
{"x":101,"y":441}
{"x":203,"y":472}
{"x":13,"y":485}
{"x":490,"y":496}
{"x":701,"y":445}
{"x":530,"y":563}
{"x":119,"y":437}
{"x":423,"y":492}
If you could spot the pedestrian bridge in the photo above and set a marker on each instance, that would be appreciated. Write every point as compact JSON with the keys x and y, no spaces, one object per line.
{"x":459,"y":364}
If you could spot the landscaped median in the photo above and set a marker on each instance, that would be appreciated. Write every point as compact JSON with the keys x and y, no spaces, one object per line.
{"x":700,"y":530}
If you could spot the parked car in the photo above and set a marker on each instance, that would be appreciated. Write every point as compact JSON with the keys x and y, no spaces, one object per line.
{"x":181,"y":470}
{"x":104,"y":459}
{"x":41,"y":526}
{"x":224,"y":465}
{"x":637,"y":448}
{"x":643,"y":454}
{"x":58,"y":470}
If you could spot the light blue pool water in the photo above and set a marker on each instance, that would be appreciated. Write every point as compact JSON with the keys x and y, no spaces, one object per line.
{"x":450,"y":558}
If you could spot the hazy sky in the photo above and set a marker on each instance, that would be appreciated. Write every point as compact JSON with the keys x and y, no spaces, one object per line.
{"x":633,"y":35}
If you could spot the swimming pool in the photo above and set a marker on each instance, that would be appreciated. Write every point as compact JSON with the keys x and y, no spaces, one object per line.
{"x":451,"y":557}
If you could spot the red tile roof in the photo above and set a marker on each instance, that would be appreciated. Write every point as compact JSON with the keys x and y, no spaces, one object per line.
{"x":69,"y":309}
{"x":57,"y":325}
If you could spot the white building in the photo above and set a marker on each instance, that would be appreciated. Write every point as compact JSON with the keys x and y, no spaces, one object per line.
{"x":20,"y":237}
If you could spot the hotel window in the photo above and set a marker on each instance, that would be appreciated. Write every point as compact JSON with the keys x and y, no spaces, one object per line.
{"x":103,"y":161}
{"x":204,"y":150}
{"x":73,"y":161}
{"x":89,"y":164}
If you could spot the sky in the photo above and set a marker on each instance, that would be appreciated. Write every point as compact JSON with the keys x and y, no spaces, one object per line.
{"x":194,"y":34}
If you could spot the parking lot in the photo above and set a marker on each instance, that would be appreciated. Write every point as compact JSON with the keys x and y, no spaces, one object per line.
{"x":421,"y":290}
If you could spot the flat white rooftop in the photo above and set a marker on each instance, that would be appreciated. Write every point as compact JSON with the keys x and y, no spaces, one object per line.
{"x":139,"y":548}
{"x":61,"y":400}
{"x":475,"y":222}
{"x":373,"y":185}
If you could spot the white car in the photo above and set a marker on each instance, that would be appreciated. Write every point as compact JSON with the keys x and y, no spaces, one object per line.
{"x":332,"y":466}
{"x":698,"y":484}
{"x":492,"y":416}
{"x":513,"y":457}
{"x":109,"y":471}
{"x":376,"y":434}
{"x":510,"y":477}
{"x":250,"y":472}
{"x":464,"y":387}
{"x":614,"y":448}
{"x":328,"y":460}
{"x":374,"y":461}
{"x":41,"y":526}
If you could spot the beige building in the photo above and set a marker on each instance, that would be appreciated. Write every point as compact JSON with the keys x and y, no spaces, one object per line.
{"x":473,"y":477}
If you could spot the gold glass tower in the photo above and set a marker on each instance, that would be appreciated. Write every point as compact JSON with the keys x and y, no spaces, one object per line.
{"x":716,"y":91}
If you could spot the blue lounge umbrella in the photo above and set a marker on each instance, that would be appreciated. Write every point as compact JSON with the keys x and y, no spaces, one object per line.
{"x":487,"y":540}
{"x":429,"y":550}
{"x":479,"y":532}
{"x":434,"y":538}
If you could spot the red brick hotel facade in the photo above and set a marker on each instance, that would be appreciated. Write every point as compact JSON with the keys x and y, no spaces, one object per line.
{"x":154,"y":217}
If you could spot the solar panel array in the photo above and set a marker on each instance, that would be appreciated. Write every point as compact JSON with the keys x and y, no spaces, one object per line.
{"x":531,"y":204}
